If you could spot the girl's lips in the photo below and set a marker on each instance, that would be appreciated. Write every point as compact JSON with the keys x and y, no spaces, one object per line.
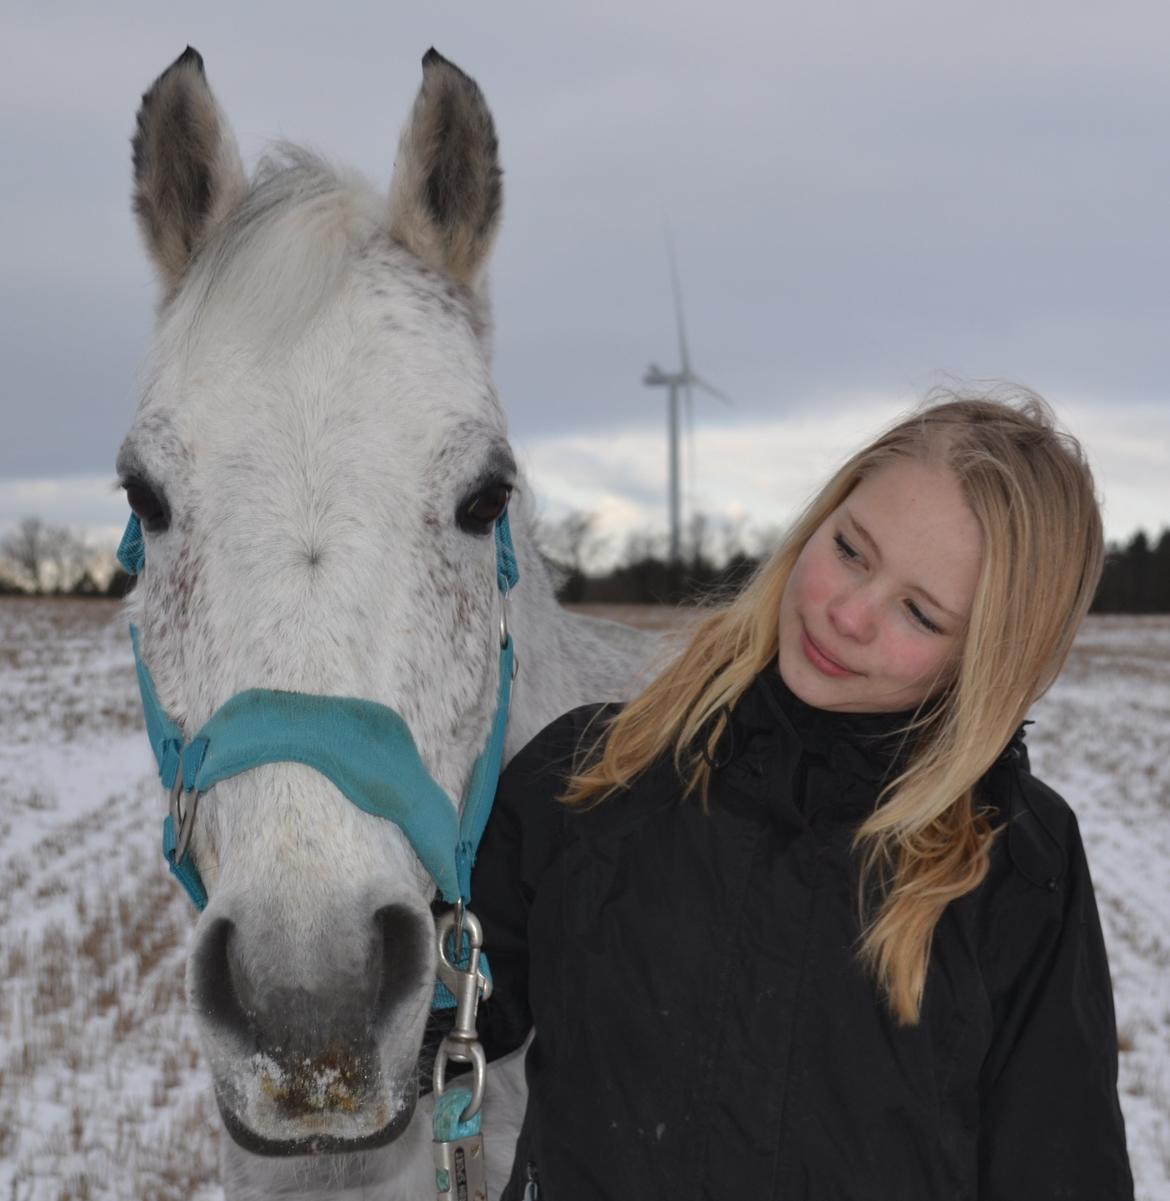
{"x":820,"y":660}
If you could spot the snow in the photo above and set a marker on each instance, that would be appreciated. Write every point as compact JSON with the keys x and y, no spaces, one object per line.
{"x":103,"y":1091}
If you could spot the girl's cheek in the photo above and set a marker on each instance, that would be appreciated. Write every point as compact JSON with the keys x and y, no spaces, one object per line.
{"x":815,"y":578}
{"x":923,"y":662}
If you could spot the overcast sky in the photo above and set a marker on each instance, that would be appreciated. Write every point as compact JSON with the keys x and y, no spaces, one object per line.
{"x":866,"y":199}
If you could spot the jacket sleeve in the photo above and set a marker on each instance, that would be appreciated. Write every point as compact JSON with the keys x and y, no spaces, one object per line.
{"x":1050,"y":1120}
{"x":523,"y":837}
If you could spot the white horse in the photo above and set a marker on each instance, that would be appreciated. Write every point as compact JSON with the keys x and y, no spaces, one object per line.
{"x":318,"y":459}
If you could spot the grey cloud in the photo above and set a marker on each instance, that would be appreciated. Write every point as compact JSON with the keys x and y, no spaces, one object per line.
{"x":862,"y":195}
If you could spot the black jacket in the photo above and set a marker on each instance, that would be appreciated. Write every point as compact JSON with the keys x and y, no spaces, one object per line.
{"x":704,"y":1028}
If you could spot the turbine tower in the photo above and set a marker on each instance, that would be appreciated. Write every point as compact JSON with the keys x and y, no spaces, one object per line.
{"x":683,"y":379}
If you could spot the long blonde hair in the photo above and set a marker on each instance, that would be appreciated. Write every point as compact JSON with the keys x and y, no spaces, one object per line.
{"x":928,"y":840}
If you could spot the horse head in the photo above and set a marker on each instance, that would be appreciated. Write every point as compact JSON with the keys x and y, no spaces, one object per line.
{"x":318,"y":461}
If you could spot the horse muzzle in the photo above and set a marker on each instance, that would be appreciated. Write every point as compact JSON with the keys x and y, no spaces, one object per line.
{"x":303,"y":1067}
{"x":326,"y":1126}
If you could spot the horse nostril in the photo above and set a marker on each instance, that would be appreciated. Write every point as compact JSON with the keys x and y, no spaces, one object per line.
{"x":216,"y":982}
{"x":402,"y":936}
{"x":252,"y":1012}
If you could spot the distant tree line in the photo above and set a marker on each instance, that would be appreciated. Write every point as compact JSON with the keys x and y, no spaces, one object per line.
{"x":42,"y":559}
{"x":1136,"y":577}
{"x":717,"y":561}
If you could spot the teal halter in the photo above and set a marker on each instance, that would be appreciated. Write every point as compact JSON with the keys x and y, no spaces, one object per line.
{"x":364,"y":748}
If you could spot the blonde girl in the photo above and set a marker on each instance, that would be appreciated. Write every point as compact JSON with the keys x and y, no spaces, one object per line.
{"x":798,"y":921}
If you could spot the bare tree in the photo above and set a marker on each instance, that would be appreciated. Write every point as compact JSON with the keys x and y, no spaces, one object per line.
{"x":644,"y":545}
{"x":65,"y":553}
{"x":24,"y":548}
{"x":40,"y":553}
{"x":698,"y":542}
{"x":767,"y":539}
{"x":573,"y":542}
{"x":732,"y":538}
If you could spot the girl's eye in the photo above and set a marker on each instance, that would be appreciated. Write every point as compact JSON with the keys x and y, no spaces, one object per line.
{"x":917,"y":614}
{"x":845,"y":551}
{"x":848,"y":554}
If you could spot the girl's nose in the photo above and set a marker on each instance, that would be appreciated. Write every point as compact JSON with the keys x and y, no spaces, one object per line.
{"x":853,"y":615}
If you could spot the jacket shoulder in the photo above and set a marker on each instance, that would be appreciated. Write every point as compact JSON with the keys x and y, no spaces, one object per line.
{"x":1038,"y":827}
{"x":526,"y":805}
{"x":561,"y":747}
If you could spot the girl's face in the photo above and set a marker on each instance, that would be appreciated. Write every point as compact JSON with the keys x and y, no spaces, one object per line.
{"x":873,"y":615}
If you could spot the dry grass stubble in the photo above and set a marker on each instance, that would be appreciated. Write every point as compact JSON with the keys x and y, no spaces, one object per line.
{"x":103,"y":1093}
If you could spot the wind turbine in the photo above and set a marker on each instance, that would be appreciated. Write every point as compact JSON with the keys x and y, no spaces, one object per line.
{"x":686,"y":380}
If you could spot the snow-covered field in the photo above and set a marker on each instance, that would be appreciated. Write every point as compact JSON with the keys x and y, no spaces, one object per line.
{"x":102,"y":1089}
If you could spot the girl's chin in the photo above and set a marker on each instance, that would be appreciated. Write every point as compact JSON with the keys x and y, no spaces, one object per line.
{"x":809,"y":685}
{"x":849,"y":694}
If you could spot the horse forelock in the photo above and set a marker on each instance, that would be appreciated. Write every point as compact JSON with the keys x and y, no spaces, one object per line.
{"x":285,"y":251}
{"x":279,"y":256}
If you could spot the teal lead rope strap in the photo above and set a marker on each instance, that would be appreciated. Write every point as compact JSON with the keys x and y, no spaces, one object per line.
{"x":459,"y":1163}
{"x":132,"y":550}
{"x":449,"y":1110}
{"x":507,"y":569}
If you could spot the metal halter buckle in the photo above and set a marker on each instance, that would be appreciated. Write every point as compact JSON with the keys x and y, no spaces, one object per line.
{"x":184,"y":822}
{"x":504,"y":632}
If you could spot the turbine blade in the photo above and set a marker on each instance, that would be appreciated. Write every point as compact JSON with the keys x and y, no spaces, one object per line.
{"x":700,"y":382}
{"x":678,"y":305}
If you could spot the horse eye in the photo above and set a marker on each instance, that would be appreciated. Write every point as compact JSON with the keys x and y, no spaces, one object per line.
{"x":151,"y":507}
{"x":484,"y":509}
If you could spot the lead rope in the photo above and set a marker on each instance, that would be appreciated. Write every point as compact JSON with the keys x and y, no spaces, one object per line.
{"x":460,"y":1170}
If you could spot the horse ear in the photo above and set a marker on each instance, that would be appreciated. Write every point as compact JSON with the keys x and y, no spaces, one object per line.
{"x":445,"y":195}
{"x":187,"y":169}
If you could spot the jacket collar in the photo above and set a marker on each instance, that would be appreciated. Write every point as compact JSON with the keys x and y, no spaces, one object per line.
{"x":871,"y":746}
